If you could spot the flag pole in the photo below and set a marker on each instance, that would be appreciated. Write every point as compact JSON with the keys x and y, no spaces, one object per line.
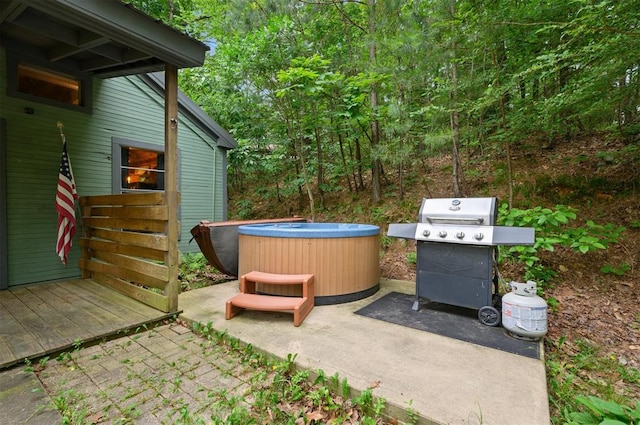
{"x":61,"y":127}
{"x":79,"y":222}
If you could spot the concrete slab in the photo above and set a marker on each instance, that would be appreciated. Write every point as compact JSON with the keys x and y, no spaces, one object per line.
{"x":23,"y":400}
{"x":445,"y":380}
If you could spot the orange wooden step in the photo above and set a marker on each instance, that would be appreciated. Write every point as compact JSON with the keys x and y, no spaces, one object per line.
{"x":248,"y":299}
{"x":267,"y":302}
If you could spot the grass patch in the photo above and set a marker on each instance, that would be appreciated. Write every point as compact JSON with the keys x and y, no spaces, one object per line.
{"x":206,"y":378}
{"x":578,"y":369}
{"x":282,"y":393}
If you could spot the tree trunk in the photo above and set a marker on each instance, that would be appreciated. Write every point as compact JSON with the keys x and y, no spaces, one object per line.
{"x":359,"y":162}
{"x":305,"y":178}
{"x":375,"y":125}
{"x":316,"y":132}
{"x":455,"y":155}
{"x":401,"y":172}
{"x":503,"y":116}
{"x":454,"y":116}
{"x":344,"y":163}
{"x":507,"y":152}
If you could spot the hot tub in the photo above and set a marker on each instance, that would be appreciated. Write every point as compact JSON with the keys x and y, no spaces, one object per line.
{"x":344,"y":258}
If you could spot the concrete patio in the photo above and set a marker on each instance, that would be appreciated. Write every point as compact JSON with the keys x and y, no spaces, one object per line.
{"x":445,"y":380}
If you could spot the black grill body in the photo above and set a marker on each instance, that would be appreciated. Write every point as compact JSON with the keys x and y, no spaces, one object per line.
{"x":460,"y":275}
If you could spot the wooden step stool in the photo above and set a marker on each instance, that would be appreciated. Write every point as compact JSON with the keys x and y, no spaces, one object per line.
{"x":248,"y":299}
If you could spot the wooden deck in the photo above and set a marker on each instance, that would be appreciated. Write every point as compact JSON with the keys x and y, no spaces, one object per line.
{"x":44,"y":319}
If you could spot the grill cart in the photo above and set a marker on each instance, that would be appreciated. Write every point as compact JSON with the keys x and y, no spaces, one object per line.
{"x":457,"y":241}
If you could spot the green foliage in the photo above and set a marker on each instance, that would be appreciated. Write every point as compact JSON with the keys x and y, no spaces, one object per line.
{"x":64,"y":357}
{"x":618,"y":271}
{"x":72,"y":406}
{"x":577,"y":374}
{"x":603,"y":412}
{"x":385,"y":241}
{"x":244,"y":207}
{"x":294,"y":85}
{"x":77,"y":344}
{"x":552,"y":229}
{"x":28,"y":366}
{"x":195,"y":272}
{"x":191,"y":262}
{"x":371,"y":406}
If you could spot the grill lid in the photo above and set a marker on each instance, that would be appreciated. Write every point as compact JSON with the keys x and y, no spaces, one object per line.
{"x":465,"y":211}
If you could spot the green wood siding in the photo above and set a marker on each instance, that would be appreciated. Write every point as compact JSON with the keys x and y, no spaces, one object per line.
{"x":122,"y":107}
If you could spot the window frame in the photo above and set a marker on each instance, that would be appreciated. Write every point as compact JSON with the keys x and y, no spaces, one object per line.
{"x":85,"y":81}
{"x":117,"y":143}
{"x":4,"y":230}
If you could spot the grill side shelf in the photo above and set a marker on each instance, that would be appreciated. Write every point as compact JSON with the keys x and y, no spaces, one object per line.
{"x":402,"y":230}
{"x":505,"y":235}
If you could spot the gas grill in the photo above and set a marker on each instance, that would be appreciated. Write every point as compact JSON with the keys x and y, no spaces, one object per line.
{"x":457,"y":242}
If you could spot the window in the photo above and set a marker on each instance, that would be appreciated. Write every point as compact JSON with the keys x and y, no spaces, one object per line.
{"x":137,"y":166}
{"x":37,"y":80}
{"x":50,"y":85}
{"x":141,"y":169}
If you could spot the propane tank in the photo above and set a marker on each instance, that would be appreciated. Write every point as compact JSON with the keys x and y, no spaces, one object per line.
{"x":524,"y":313}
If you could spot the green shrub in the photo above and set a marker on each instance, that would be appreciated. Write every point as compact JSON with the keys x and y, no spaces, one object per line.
{"x":552,"y":230}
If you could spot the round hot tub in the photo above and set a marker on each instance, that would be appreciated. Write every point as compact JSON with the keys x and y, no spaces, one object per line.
{"x":344,"y":258}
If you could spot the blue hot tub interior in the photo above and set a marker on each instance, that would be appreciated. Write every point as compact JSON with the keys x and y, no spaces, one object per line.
{"x":309,"y":230}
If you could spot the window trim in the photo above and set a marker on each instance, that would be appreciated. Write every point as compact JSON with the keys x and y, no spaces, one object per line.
{"x":4,"y":230}
{"x":117,"y":143}
{"x":86,"y":82}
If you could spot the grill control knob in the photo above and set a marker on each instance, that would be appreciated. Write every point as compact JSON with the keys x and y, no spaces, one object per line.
{"x":460,"y":235}
{"x":442,"y":233}
{"x":478,"y":236}
{"x":426,"y":233}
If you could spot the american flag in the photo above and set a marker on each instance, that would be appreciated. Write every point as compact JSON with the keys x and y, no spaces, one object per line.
{"x":65,"y":205}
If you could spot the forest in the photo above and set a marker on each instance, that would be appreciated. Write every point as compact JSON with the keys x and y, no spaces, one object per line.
{"x":330,"y":95}
{"x":354,"y":107}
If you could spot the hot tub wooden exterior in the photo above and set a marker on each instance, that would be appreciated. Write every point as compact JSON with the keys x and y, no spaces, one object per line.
{"x":345,"y":268}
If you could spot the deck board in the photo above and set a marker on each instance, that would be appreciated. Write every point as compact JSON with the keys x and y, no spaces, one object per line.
{"x":39,"y":320}
{"x":102,"y":320}
{"x":42,"y":331}
{"x":117,"y":303}
{"x":60,"y":298}
{"x":49,"y":309}
{"x":17,"y":341}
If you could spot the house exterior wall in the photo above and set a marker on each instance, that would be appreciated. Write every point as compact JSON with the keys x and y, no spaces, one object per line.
{"x":123,"y":108}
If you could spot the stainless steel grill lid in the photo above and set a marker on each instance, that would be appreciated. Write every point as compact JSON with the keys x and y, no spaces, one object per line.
{"x":466,"y":211}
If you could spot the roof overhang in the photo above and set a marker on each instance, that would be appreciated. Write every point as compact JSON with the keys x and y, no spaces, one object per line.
{"x":105,"y":38}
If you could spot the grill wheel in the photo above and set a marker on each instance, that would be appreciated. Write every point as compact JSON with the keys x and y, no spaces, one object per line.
{"x":489,"y":316}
